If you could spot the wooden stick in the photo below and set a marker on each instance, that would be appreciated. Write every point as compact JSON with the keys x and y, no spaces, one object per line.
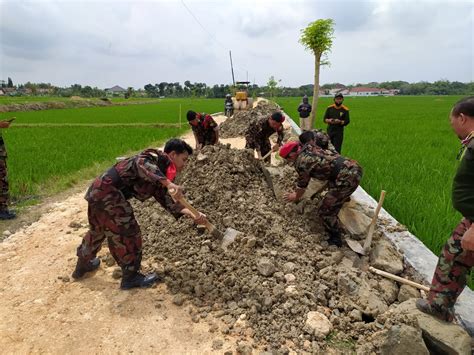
{"x":399,"y":279}
{"x":266,"y":155}
{"x":368,"y":240}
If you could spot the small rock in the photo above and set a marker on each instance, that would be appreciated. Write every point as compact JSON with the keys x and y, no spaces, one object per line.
{"x":356,"y":315}
{"x":217,"y":344}
{"x":244,"y":348}
{"x":290,"y":278}
{"x":179,"y":300}
{"x":7,"y":233}
{"x":385,"y":257}
{"x":109,"y":260}
{"x":288,"y":267}
{"x":265,"y":267}
{"x":317,"y":324}
{"x":406,"y":292}
{"x":117,"y":273}
{"x":403,"y":339}
{"x":75,"y":225}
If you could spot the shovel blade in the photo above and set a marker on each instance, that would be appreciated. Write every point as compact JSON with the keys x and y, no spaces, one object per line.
{"x":355,"y":246}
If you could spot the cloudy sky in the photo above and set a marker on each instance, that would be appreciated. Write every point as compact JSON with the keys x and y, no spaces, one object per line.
{"x":131,"y":43}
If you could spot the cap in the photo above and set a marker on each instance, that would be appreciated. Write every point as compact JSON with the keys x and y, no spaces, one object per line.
{"x":339,"y":95}
{"x":287,"y":148}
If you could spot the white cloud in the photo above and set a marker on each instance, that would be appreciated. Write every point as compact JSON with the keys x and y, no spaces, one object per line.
{"x":132,"y":43}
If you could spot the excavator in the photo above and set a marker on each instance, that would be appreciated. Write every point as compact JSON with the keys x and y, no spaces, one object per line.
{"x":241,"y":99}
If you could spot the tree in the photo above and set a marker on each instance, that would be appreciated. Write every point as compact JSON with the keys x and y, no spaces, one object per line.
{"x":318,"y":37}
{"x":272,"y":85}
{"x":10,"y":83}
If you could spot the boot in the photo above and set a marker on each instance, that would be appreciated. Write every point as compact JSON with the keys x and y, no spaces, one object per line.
{"x":446,"y":315}
{"x":335,"y":238}
{"x":83,"y":266}
{"x":131,"y":279}
{"x":7,"y":214}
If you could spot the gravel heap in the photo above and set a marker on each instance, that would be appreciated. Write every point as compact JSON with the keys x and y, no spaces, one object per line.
{"x":236,"y":125}
{"x":277,"y":271}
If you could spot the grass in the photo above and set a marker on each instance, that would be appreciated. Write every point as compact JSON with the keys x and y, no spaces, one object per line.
{"x":49,"y":150}
{"x":166,"y":111}
{"x":406,"y":147}
{"x":6,"y":100}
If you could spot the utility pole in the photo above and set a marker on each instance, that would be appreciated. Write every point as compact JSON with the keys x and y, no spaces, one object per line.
{"x":232,"y":67}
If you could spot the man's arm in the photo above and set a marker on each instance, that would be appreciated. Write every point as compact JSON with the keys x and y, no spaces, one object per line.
{"x":346,"y":118}
{"x":327,"y":119}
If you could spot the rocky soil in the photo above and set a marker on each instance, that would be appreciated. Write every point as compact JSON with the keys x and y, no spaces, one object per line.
{"x":236,"y":125}
{"x":279,"y":284}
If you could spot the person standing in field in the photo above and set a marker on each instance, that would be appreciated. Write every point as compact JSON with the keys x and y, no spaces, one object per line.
{"x":337,"y":117}
{"x":257,"y":135}
{"x":343,"y":176}
{"x":5,"y":213}
{"x":304,"y":110}
{"x":457,"y":257}
{"x":205,"y":129}
{"x":148,"y":174}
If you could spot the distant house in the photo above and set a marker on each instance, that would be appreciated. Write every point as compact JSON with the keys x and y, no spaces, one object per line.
{"x":365,"y":91}
{"x":2,"y":92}
{"x":115,"y":91}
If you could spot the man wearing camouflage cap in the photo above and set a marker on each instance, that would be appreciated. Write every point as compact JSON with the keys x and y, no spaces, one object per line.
{"x":342,"y":174}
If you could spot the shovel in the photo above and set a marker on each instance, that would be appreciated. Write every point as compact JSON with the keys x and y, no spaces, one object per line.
{"x":227,"y":237}
{"x":355,"y":246}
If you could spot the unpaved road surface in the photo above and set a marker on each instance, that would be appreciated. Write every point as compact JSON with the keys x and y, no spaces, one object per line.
{"x":44,"y":311}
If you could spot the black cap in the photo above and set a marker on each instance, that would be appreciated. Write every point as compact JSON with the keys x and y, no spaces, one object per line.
{"x":339,"y":95}
{"x":191,"y":115}
{"x":277,"y":116}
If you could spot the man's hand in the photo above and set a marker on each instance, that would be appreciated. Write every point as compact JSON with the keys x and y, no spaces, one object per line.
{"x":198,"y":146}
{"x":259,"y":155}
{"x":275,"y":147}
{"x":290,"y":197}
{"x":175,"y":191}
{"x":201,"y":219}
{"x":467,"y":241}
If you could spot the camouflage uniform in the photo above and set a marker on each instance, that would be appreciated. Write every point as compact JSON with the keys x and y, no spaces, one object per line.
{"x":205,"y":130}
{"x":111,"y":215}
{"x":343,"y":176}
{"x":450,"y":276}
{"x":455,"y":263}
{"x":4,"y":196}
{"x":257,"y":136}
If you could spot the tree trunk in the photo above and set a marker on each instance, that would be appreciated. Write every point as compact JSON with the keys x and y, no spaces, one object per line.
{"x":317,"y":64}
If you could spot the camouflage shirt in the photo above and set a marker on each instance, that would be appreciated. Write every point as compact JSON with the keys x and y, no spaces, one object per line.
{"x":140,"y":177}
{"x":205,"y":130}
{"x":321,"y":164}
{"x":259,"y":132}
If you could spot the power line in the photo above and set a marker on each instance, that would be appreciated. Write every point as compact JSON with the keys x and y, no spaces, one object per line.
{"x":209,"y":33}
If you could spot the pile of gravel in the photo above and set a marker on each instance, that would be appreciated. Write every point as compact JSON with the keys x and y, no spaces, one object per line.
{"x":280,"y":269}
{"x":236,"y":125}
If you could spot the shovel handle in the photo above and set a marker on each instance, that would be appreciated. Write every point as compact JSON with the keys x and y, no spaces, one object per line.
{"x":266,"y":155}
{"x":368,"y":240}
{"x":210,"y":227}
{"x":398,"y":279}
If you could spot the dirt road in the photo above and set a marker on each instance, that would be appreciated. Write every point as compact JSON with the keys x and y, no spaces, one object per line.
{"x":44,"y":311}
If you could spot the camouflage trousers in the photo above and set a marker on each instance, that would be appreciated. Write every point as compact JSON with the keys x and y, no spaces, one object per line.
{"x":450,"y":276}
{"x":112,"y":218}
{"x":4,"y":196}
{"x":339,"y":190}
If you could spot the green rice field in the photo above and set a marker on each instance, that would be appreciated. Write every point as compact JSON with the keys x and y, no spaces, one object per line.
{"x":406,"y":146}
{"x":44,"y":159}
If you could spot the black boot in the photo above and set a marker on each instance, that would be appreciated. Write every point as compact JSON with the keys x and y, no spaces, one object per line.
{"x":83,"y":266}
{"x":335,"y":238}
{"x":7,"y":214}
{"x":132,"y":279}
